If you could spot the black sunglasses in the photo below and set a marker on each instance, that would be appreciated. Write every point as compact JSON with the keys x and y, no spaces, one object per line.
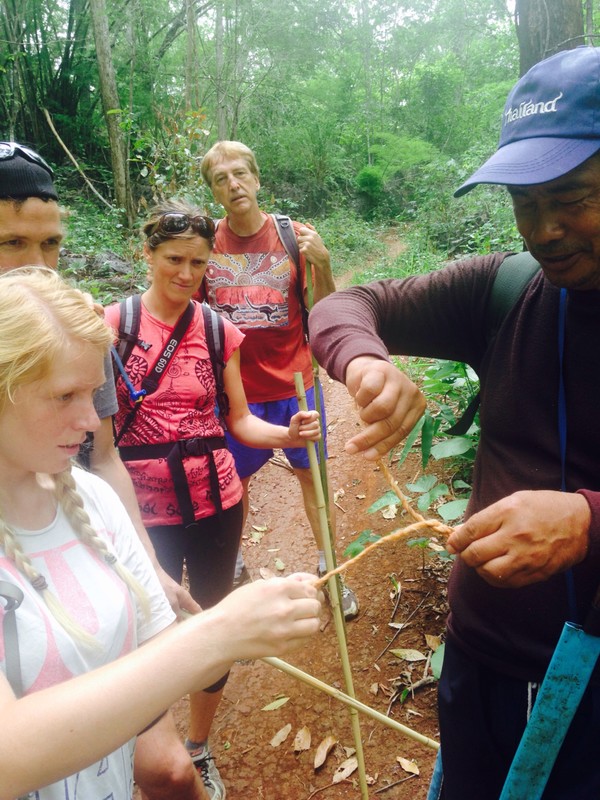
{"x":174,"y":222}
{"x":11,"y":149}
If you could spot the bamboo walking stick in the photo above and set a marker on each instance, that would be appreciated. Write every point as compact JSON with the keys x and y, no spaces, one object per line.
{"x":337,"y":694}
{"x":334,"y":590}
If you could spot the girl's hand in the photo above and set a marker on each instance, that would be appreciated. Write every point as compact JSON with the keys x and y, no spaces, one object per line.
{"x":305,"y":426}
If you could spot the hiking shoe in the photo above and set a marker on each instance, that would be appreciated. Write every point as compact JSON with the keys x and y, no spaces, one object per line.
{"x":350,"y":606}
{"x":242,"y":579}
{"x":203,"y":760}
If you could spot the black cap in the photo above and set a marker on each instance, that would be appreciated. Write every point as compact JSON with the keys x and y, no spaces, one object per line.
{"x":24,"y":173}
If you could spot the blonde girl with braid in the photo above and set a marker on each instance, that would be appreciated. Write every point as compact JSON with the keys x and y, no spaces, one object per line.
{"x":89,"y":594}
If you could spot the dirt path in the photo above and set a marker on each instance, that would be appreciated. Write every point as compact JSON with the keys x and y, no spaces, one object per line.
{"x":277,"y":535}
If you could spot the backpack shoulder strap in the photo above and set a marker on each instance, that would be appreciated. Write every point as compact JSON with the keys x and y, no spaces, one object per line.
{"x":513,"y":276}
{"x":215,"y":341}
{"x":287,"y":235}
{"x":13,"y":595}
{"x":130,"y":311}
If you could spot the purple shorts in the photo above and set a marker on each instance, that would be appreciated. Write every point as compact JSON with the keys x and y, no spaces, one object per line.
{"x":249,"y":460}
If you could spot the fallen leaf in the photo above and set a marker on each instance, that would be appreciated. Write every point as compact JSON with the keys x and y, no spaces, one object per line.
{"x":337,"y":494}
{"x":408,"y":655}
{"x":437,"y":548}
{"x":260,"y":528}
{"x":408,"y":766}
{"x":345,"y":769}
{"x":256,"y":537}
{"x":323,"y":751}
{"x":279,"y":564}
{"x":266,"y":573}
{"x":374,"y":688}
{"x":361,"y":496}
{"x":432,"y":642}
{"x":281,"y":701}
{"x":281,"y":735}
{"x":390,"y":512}
{"x":302,"y":740}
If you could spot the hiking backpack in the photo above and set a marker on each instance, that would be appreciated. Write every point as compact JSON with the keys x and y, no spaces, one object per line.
{"x":513,"y":276}
{"x":129,"y":327}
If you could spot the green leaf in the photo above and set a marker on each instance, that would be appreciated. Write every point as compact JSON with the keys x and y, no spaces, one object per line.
{"x":388,"y":499}
{"x":410,"y":440}
{"x":457,"y":446}
{"x":453,"y":510}
{"x":441,"y":490}
{"x":424,"y":502}
{"x":461,"y":484}
{"x":437,"y":659}
{"x":430,"y":427}
{"x":424,"y":484}
{"x":359,"y":544}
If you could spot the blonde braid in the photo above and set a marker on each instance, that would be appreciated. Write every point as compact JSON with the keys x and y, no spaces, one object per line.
{"x":72,"y":504}
{"x":10,"y":543}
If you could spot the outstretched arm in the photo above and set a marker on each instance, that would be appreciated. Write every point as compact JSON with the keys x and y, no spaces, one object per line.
{"x":68,"y":728}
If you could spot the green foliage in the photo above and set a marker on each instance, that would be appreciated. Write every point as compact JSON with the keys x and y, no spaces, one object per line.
{"x":166,"y":160}
{"x":90,"y":228}
{"x":370,"y":182}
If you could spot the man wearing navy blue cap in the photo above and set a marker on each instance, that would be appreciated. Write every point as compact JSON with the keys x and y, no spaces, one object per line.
{"x":528,"y":555}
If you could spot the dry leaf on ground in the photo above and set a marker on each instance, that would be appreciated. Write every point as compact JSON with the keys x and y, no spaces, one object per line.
{"x":408,"y":766}
{"x":281,"y":735}
{"x":345,"y":769}
{"x":302,"y":740}
{"x":323,"y":750}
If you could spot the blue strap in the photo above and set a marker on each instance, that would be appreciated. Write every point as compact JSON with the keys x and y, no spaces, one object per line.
{"x":562,"y":436}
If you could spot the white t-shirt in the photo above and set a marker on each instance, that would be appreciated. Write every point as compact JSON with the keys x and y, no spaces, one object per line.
{"x":97,"y":598}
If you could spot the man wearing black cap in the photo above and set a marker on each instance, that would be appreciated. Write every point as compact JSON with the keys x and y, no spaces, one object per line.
{"x":31,"y":233}
{"x":528,"y":556}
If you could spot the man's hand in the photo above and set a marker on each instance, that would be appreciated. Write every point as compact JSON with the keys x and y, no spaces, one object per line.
{"x":388,"y":403}
{"x":312,"y":248}
{"x":525,"y":537}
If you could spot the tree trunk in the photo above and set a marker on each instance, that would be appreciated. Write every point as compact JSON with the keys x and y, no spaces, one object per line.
{"x":221,"y":105}
{"x":545,"y":27}
{"x":111,"y":106}
{"x":191,"y":64}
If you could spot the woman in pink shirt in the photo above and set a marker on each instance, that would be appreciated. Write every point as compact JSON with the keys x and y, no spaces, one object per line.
{"x":172,"y":442}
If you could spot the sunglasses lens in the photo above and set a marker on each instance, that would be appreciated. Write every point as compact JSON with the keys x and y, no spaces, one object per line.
{"x":175,"y":223}
{"x":10,"y":149}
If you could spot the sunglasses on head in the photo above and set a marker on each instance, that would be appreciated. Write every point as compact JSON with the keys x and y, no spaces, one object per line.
{"x":11,"y":149}
{"x":174,"y":222}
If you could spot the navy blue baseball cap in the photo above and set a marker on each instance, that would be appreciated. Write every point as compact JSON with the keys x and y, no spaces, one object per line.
{"x":551,"y":122}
